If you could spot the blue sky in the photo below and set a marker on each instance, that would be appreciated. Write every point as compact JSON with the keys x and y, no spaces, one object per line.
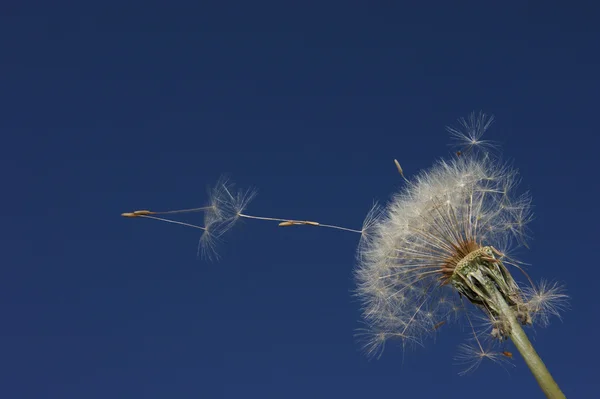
{"x":113,"y":106}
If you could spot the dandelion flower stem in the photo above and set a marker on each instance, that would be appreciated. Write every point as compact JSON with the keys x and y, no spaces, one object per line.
{"x":533,"y":360}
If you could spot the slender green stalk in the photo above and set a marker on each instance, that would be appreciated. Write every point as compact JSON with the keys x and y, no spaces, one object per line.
{"x":533,"y":360}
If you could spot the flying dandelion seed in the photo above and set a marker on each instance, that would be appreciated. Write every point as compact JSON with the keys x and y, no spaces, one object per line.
{"x":220,"y":215}
{"x":225,"y":208}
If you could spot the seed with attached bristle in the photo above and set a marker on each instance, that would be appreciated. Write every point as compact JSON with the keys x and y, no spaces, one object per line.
{"x":129,"y":215}
{"x":400,"y":170}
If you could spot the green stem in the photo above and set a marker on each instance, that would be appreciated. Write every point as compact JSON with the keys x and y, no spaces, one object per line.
{"x":535,"y":363}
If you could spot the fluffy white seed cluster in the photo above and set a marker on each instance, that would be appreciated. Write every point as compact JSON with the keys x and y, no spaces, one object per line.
{"x":406,"y":261}
{"x":223,"y":210}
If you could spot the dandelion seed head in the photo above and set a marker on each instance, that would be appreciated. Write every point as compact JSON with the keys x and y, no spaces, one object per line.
{"x":466,"y":206}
